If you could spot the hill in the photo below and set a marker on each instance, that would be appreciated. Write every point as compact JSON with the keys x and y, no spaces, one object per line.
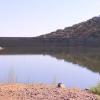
{"x":87,"y":29}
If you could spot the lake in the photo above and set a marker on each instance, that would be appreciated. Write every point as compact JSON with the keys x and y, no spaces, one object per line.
{"x":74,"y":69}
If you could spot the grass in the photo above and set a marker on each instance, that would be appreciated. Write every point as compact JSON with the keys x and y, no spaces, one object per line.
{"x":96,"y":89}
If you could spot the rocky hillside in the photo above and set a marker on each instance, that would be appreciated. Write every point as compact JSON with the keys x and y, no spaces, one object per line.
{"x":87,"y":29}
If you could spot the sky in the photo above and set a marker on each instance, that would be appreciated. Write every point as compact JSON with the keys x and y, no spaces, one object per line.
{"x":28,"y":18}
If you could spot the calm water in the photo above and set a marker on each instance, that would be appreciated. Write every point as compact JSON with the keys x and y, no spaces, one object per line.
{"x":39,"y":68}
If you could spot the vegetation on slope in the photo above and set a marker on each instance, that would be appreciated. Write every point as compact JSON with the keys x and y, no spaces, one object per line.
{"x":96,"y":89}
{"x":87,"y":29}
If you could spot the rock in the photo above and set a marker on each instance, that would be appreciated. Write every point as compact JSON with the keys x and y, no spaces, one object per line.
{"x":1,"y":48}
{"x":61,"y":85}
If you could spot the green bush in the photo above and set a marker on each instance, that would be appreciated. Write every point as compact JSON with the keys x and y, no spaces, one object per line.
{"x":96,"y":89}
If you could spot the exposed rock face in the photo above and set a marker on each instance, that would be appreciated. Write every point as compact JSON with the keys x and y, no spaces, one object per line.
{"x":87,"y":29}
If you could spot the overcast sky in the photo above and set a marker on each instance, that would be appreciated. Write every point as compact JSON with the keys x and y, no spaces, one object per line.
{"x":35,"y":17}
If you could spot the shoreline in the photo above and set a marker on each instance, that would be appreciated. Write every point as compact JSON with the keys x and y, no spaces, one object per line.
{"x":43,"y":92}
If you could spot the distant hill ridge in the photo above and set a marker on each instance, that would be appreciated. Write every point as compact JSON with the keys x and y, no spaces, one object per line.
{"x":87,"y":29}
{"x":85,"y":34}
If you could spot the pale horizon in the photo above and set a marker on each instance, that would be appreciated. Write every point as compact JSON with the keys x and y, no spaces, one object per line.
{"x":29,"y":18}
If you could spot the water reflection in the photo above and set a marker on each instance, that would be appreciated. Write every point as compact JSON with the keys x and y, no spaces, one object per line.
{"x":12,"y":76}
{"x":39,"y":65}
{"x":86,"y":57}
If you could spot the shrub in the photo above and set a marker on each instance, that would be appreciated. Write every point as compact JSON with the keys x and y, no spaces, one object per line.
{"x":96,"y":89}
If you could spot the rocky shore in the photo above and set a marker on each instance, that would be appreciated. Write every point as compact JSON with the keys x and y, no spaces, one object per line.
{"x":43,"y":92}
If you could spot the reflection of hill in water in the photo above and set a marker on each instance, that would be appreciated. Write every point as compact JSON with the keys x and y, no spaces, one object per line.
{"x":86,"y":57}
{"x":90,"y":61}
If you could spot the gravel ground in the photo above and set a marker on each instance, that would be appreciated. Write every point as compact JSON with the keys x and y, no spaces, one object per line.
{"x":43,"y":92}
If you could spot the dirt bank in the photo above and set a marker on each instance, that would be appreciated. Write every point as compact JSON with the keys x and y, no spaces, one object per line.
{"x":42,"y":92}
